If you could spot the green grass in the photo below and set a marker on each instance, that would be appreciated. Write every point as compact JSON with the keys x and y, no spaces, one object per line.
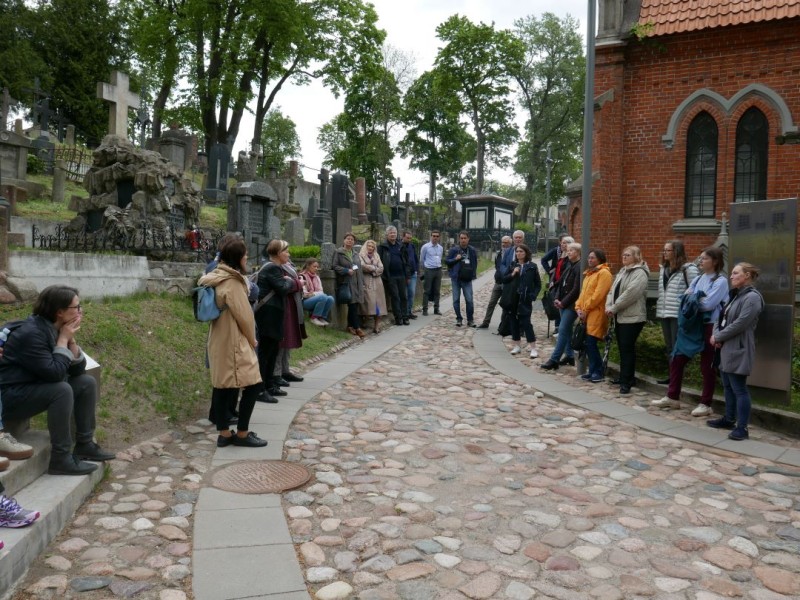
{"x":214,"y":217}
{"x":152,"y":354}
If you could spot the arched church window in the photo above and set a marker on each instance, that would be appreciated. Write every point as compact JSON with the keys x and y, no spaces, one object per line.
{"x":701,"y":166}
{"x":752,"y":142}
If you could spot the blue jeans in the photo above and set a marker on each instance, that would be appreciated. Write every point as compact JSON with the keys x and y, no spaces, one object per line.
{"x":737,"y":398}
{"x":411,"y":290}
{"x":564,"y":339}
{"x":466,"y":287}
{"x":319,"y":306}
{"x":593,"y":356}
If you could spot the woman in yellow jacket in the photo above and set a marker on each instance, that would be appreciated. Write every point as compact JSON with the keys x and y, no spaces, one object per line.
{"x":591,"y":310}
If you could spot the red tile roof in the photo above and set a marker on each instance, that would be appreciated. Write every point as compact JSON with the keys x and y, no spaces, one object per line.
{"x":675,"y":16}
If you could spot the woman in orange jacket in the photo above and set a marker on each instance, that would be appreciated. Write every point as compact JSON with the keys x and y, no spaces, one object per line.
{"x":591,"y":304}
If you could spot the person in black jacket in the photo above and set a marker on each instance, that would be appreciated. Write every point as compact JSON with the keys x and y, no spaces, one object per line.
{"x":413,"y":270}
{"x":521,"y":286}
{"x":44,"y":369}
{"x":567,"y":289}
{"x":396,"y":274}
{"x":462,"y":263}
{"x":502,"y":262}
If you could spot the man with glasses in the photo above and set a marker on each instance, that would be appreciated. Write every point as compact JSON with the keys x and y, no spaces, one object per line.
{"x":430,"y":257}
{"x":502,"y":262}
{"x":44,"y":369}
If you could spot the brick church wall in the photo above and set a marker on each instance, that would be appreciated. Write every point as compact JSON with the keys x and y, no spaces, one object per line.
{"x":640,"y":190}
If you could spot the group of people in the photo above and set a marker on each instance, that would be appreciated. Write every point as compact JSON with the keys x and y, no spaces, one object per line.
{"x":364,"y":277}
{"x":699,"y":315}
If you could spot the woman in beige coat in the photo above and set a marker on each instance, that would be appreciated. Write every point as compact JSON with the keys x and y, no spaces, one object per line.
{"x":374,"y":303}
{"x":231,"y":347}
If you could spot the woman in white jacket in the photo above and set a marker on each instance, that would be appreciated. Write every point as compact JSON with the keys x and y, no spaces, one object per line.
{"x":674,"y":277}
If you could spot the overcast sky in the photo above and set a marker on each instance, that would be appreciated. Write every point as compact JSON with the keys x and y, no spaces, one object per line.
{"x":411,"y":27}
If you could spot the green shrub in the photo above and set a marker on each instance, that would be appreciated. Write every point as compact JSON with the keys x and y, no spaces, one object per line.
{"x":303,"y":252}
{"x":35,"y":164}
{"x":526,"y":227}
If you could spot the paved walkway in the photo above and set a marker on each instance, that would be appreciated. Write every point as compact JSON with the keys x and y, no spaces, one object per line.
{"x":446,"y":468}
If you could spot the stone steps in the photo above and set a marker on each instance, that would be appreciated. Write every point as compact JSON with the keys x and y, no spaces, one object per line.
{"x":57,"y":497}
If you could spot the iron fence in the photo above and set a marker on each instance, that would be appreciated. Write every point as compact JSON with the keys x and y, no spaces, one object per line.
{"x":77,"y":161}
{"x":161,"y":243}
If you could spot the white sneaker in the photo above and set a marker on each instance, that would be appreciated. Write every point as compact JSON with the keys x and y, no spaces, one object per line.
{"x":665,"y":402}
{"x":317,"y":322}
{"x":516,"y":350}
{"x":702,"y":410}
{"x":11,"y":448}
{"x":534,"y":352}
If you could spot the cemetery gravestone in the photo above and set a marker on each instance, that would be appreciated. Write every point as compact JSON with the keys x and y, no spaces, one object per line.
{"x":251,"y":212}
{"x":172,"y":147}
{"x":322,"y":227}
{"x":295,"y":232}
{"x":341,"y":212}
{"x":218,"y":165}
{"x":118,"y":94}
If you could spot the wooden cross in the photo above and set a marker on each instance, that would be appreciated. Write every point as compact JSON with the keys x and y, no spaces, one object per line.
{"x":121,"y":98}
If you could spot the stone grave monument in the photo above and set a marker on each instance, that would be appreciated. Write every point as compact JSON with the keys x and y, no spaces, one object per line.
{"x":294,"y":231}
{"x":341,"y":212}
{"x":290,"y":209}
{"x":252,"y":212}
{"x":219,"y":162}
{"x":13,"y":167}
{"x":322,"y":227}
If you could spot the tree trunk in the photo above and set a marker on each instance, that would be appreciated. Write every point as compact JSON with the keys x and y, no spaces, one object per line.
{"x":432,"y":187}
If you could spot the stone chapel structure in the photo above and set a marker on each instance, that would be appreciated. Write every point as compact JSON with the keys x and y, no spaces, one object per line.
{"x":697,"y":106}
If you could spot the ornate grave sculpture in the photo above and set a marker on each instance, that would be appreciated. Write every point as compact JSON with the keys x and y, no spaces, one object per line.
{"x":132,"y":190}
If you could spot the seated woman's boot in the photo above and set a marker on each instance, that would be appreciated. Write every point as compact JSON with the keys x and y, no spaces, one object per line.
{"x":67,"y":464}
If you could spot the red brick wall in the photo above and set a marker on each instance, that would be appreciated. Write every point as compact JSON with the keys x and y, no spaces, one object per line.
{"x":640,"y":190}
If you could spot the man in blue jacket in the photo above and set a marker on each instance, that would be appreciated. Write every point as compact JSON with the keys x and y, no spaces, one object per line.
{"x":413,"y":268}
{"x":502,"y":262}
{"x":462,"y":262}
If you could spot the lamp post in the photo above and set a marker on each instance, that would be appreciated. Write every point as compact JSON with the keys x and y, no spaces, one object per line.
{"x":549,"y":166}
{"x":588,"y":126}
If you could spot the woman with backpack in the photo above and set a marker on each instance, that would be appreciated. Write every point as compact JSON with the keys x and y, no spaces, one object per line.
{"x":674,"y":276}
{"x":231,"y":348}
{"x":521,"y":286}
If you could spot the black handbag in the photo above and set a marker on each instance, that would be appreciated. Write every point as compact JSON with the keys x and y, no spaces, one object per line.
{"x":504,"y":329}
{"x":343,"y":294}
{"x":549,"y":306}
{"x":578,"y":341}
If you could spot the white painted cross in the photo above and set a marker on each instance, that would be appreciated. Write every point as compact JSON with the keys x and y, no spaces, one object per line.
{"x":121,"y":98}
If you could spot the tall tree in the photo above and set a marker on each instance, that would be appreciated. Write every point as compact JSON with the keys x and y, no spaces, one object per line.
{"x":280,"y":140}
{"x":473,"y":64}
{"x":436,"y":141}
{"x":81,"y":41}
{"x":20,"y":61}
{"x":550,"y":76}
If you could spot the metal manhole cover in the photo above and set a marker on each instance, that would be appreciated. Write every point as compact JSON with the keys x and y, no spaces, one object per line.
{"x":261,"y":477}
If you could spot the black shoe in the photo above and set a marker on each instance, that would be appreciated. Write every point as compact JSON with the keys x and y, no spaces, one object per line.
{"x":67,"y":464}
{"x":664,"y":381}
{"x":550,"y":365}
{"x":405,"y":322}
{"x":437,"y":312}
{"x":721,"y":423}
{"x":251,"y":440}
{"x":398,"y":321}
{"x":471,"y":324}
{"x":223,"y":441}
{"x":280,"y":381}
{"x":291,"y":377}
{"x":412,"y":316}
{"x":459,"y":322}
{"x":264,"y":397}
{"x":483,"y":326}
{"x":567,"y":360}
{"x":425,"y":312}
{"x":276,"y":391}
{"x":738,"y":434}
{"x":624,"y":389}
{"x":91,"y":451}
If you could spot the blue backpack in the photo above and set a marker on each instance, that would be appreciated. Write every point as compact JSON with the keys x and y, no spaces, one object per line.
{"x":204,"y":302}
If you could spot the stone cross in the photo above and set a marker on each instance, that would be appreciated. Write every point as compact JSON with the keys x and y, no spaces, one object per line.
{"x":43,"y":115}
{"x":8,"y":104}
{"x":36,"y":90}
{"x":323,"y":187}
{"x":118,"y":94}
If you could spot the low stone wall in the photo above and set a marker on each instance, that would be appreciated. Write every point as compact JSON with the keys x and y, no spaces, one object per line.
{"x":175,"y":278}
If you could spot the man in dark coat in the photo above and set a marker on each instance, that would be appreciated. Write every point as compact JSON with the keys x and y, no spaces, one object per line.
{"x":462,"y":262}
{"x":396,"y":274}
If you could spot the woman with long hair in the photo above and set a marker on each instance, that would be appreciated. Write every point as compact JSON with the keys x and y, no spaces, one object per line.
{"x":347,"y":266}
{"x":374,"y":299}
{"x":231,"y":348}
{"x":674,"y":276}
{"x":712,"y":291}
{"x":591,"y":310}
{"x":627,"y":304}
{"x":734,"y":337}
{"x":521,"y":285}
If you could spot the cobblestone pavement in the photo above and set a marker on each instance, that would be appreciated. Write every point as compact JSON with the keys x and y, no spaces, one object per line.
{"x":438,"y":478}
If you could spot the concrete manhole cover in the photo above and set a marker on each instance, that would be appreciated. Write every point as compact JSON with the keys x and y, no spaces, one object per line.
{"x":260,"y":477}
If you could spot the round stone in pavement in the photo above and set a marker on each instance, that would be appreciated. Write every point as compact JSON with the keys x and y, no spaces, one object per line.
{"x":260,"y":477}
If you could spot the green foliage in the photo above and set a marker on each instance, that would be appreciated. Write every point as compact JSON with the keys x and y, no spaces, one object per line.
{"x":550,"y":77}
{"x":214,"y":217}
{"x":526,"y":227}
{"x":280,"y":140}
{"x":643,"y":30}
{"x":473,"y":66}
{"x":20,"y":60}
{"x":35,"y":164}
{"x":302,"y":252}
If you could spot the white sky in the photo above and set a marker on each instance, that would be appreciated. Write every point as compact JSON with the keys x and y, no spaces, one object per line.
{"x":411,"y":27}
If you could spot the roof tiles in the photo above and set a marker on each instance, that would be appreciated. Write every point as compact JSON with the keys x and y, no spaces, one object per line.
{"x":675,"y":16}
